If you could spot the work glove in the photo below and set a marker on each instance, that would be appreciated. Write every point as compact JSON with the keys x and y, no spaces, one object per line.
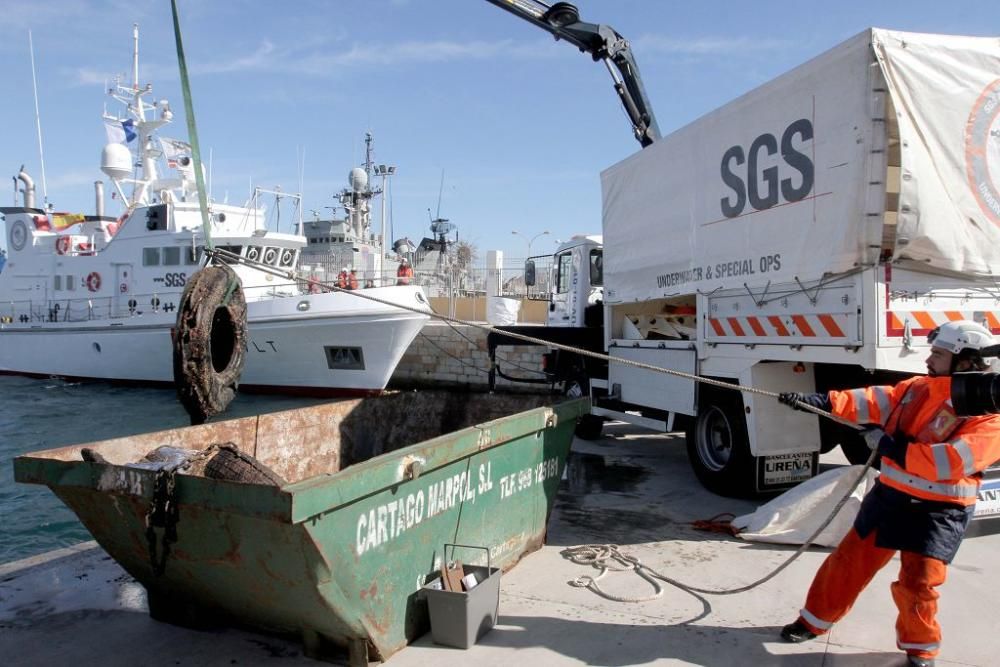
{"x":793,"y":398}
{"x":891,"y":448}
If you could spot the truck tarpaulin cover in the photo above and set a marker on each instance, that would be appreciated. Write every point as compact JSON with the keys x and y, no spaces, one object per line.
{"x":789,"y":180}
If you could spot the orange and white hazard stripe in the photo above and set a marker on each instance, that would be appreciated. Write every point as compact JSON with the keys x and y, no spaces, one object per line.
{"x":922,"y":322}
{"x":824,"y":326}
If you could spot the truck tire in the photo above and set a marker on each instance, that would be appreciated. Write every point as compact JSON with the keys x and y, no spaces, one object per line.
{"x":718,"y":446}
{"x":588,"y":427}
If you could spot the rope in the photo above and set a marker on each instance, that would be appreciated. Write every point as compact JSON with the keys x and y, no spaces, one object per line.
{"x":716,"y":524}
{"x":599,"y":555}
{"x":505,"y":359}
{"x":289,"y":275}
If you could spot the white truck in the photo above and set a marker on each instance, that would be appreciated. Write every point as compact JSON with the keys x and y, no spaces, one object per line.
{"x":805,"y":236}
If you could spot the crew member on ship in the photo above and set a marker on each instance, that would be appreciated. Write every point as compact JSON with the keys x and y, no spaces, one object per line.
{"x":404,"y":274}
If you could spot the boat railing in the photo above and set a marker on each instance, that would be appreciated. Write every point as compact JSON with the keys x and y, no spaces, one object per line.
{"x":34,"y":312}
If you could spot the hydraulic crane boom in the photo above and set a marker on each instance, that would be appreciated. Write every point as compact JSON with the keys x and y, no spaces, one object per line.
{"x":602,"y":42}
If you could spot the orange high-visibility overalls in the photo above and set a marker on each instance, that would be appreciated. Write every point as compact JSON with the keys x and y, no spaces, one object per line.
{"x":920,"y":506}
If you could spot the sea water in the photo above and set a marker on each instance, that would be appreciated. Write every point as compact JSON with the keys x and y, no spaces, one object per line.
{"x":45,"y":414}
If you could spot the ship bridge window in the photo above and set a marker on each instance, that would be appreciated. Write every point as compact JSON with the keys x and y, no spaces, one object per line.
{"x":270,"y":255}
{"x":150,"y":256}
{"x":156,"y":217}
{"x":70,"y":283}
{"x":171,"y":256}
{"x":57,"y":282}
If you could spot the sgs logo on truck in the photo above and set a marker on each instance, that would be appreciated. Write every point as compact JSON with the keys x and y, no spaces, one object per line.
{"x":764,"y":188}
{"x":982,"y":143}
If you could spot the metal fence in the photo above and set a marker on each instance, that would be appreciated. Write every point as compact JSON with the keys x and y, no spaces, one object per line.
{"x":448,"y":280}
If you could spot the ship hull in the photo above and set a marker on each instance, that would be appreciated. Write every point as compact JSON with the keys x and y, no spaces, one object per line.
{"x":332,"y":344}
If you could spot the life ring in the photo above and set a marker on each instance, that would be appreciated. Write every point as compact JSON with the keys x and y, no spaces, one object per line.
{"x":209,"y":342}
{"x":63,"y":244}
{"x":93,"y":281}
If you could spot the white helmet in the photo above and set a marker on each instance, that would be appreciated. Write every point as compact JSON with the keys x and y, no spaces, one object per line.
{"x":960,"y":335}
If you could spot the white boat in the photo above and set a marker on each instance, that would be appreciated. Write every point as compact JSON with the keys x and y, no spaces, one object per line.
{"x":96,"y":296}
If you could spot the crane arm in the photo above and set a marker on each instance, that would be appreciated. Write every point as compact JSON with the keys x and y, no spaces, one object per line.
{"x":603,"y":43}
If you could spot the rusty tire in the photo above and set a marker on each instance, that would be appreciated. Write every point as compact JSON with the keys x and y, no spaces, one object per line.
{"x":209,"y":342}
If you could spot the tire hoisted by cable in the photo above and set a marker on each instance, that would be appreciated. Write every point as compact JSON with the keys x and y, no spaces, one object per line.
{"x":210,"y":342}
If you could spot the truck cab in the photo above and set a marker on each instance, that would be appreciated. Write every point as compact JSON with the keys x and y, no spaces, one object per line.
{"x":577,"y":283}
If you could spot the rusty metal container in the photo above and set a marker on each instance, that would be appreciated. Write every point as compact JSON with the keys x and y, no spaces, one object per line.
{"x":337,"y":554}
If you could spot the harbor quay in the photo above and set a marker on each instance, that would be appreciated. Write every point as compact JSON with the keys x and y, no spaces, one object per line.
{"x":630,"y":488}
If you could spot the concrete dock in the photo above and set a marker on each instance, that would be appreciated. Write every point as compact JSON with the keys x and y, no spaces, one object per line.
{"x":630,"y":488}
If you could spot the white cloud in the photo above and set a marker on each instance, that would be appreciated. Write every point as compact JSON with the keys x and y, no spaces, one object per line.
{"x":19,"y":15}
{"x":259,"y":60}
{"x":72,"y":178}
{"x":704,"y":46}
{"x":324,"y":59}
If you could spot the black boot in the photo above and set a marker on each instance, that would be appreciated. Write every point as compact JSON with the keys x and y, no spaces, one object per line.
{"x":797,"y":632}
{"x":917,"y":661}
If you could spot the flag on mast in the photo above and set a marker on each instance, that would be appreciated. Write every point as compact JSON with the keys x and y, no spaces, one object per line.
{"x":174,"y":150}
{"x":120,"y":131}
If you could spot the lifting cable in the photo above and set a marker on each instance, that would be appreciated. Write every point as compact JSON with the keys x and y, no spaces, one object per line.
{"x":199,"y":176}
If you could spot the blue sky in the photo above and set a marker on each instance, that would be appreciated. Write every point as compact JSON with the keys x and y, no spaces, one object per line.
{"x":520,"y":125}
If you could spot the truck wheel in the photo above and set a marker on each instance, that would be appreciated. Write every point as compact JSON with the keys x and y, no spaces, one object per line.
{"x":589,"y":427}
{"x":719,"y":449}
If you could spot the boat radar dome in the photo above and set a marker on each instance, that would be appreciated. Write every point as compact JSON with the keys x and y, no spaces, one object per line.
{"x":358,"y":179}
{"x":116,"y":161}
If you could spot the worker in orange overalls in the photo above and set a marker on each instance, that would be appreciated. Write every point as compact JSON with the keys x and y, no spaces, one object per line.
{"x":931,"y":467}
{"x":404,"y":274}
{"x":352,"y":280}
{"x":342,"y":278}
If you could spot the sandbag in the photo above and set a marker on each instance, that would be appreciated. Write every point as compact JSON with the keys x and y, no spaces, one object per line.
{"x":796,"y":514}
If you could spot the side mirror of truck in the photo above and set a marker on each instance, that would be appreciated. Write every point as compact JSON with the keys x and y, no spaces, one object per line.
{"x":529,"y":273}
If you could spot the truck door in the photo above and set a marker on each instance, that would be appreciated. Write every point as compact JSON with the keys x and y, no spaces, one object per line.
{"x":567,"y":274}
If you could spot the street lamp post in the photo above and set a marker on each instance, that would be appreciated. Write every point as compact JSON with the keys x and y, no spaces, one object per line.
{"x":385,"y":171}
{"x":531,"y":240}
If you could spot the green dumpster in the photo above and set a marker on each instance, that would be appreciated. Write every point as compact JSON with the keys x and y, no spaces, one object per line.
{"x":337,"y":554}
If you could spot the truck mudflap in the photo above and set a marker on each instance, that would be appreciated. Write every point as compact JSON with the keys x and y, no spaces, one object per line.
{"x":779,"y":472}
